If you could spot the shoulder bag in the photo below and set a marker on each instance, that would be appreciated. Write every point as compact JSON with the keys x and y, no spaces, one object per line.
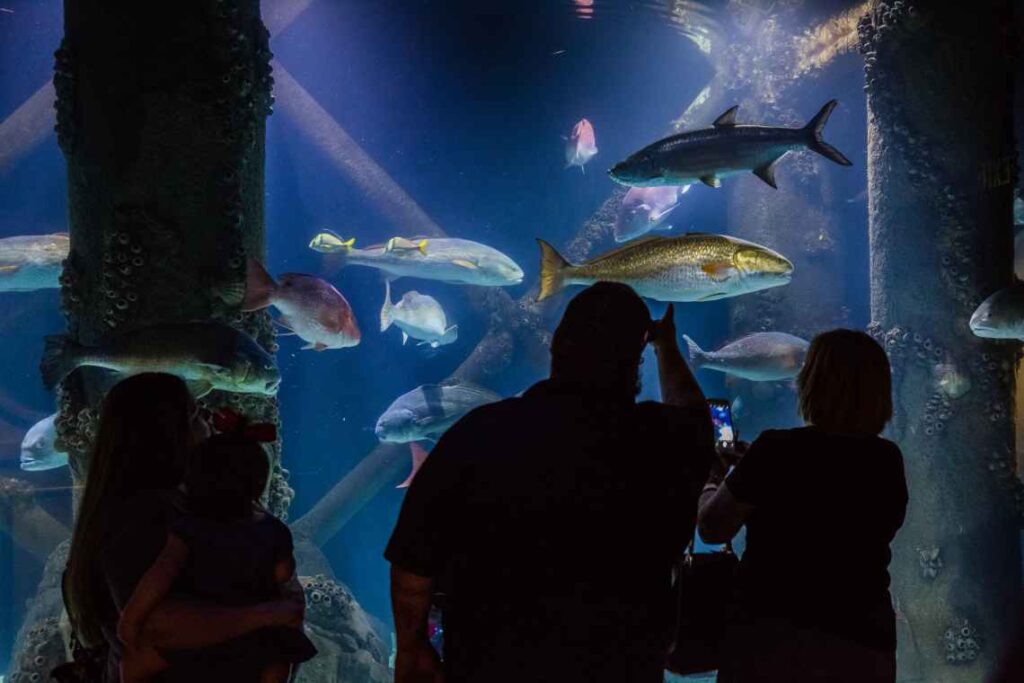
{"x":705,"y":594}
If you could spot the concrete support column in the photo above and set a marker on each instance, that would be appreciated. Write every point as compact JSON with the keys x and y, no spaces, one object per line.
{"x":941,"y":170}
{"x":160,"y":114}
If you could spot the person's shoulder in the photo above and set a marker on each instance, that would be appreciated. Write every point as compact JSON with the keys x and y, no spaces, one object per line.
{"x":276,"y":528}
{"x":271,"y":521}
{"x":888,"y":448}
{"x":483,"y":416}
{"x":773,"y":437}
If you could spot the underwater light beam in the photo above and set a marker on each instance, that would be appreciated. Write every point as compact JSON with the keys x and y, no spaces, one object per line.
{"x":379,"y":188}
{"x":27,"y":126}
{"x":280,"y":14}
{"x":824,"y":42}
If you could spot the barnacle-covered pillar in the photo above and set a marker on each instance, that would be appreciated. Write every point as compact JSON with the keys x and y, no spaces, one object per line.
{"x":160,"y":115}
{"x":941,"y":170}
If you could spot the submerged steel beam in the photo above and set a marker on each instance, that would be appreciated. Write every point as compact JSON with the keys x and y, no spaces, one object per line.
{"x":30,"y":525}
{"x":941,"y":168}
{"x":32,"y":122}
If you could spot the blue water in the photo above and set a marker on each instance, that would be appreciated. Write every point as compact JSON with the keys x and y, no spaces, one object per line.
{"x":464,"y":105}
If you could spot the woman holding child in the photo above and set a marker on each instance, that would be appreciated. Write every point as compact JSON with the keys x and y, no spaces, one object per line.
{"x":134,"y":522}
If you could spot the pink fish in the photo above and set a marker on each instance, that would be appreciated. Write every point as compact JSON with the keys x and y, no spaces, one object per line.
{"x":644,"y":209}
{"x":309,"y":306}
{"x":581,"y":145}
{"x":419,"y":456}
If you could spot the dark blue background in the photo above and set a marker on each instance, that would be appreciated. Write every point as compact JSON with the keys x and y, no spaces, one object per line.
{"x":465,"y":105}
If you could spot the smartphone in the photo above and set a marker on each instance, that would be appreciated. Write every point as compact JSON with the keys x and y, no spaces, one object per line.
{"x":721,"y":418}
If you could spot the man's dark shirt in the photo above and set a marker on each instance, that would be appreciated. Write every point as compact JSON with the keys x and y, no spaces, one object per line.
{"x":826,"y":508}
{"x":551,"y":523}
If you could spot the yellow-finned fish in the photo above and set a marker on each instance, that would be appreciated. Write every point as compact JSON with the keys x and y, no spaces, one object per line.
{"x":403,"y":244}
{"x":448,"y":259}
{"x":692,"y":267}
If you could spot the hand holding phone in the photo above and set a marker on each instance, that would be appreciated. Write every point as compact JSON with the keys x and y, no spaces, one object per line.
{"x":721,"y":418}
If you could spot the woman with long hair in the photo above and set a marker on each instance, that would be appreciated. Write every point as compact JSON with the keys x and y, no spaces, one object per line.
{"x":821,"y":504}
{"x":149,"y":424}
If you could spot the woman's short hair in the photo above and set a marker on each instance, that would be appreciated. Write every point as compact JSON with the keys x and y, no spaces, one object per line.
{"x":845,"y":385}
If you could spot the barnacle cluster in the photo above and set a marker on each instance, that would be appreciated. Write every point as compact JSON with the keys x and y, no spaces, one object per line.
{"x":239,"y":94}
{"x":70,"y":292}
{"x":962,"y":642}
{"x":925,"y":169}
{"x":64,"y":85}
{"x":929,"y":559}
{"x":331,"y":607}
{"x":76,"y":424}
{"x":123,"y":262}
{"x":950,"y":383}
{"x":41,"y":649}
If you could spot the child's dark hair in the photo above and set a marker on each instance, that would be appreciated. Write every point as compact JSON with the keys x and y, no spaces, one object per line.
{"x":227,"y":474}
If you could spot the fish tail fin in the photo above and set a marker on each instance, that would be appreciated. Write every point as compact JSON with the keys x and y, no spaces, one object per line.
{"x":60,"y":357}
{"x":553,"y":267}
{"x":385,"y":311}
{"x":814,"y":129}
{"x":422,"y":246}
{"x":697,"y":354}
{"x":419,"y":456}
{"x":259,"y":286}
{"x":450,"y":335}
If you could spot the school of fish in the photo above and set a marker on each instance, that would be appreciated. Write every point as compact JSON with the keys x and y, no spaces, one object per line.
{"x":688,"y":267}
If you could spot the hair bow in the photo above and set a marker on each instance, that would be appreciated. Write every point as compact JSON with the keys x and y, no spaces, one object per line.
{"x":227,"y":421}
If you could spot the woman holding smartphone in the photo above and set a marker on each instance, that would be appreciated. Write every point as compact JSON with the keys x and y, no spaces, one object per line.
{"x":821,"y":504}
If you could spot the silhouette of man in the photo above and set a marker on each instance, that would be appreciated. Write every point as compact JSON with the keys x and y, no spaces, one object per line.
{"x":551,"y":522}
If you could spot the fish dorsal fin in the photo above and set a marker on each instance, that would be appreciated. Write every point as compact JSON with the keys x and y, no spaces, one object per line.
{"x":628,"y":245}
{"x":728,"y":118}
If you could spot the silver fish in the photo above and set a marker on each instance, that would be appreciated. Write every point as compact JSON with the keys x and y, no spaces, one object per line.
{"x":759,"y":357}
{"x":428,"y":411}
{"x":31,"y":262}
{"x":38,"y":449}
{"x":419,"y":316}
{"x":709,"y":154}
{"x":1001,"y":316}
{"x":207,"y":355}
{"x":445,"y":259}
{"x":644,"y":209}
